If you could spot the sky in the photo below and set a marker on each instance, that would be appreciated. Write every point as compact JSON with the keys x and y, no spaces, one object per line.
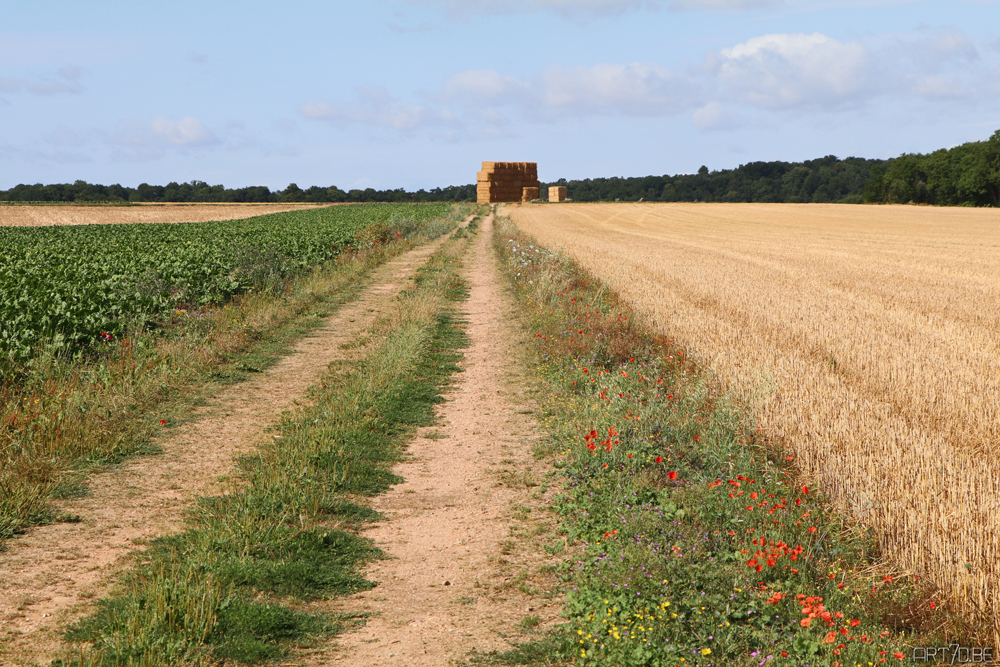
{"x":417,"y":93}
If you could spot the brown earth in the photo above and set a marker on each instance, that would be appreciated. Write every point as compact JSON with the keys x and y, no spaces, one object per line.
{"x":41,"y":215}
{"x":50,"y":576}
{"x":462,"y":533}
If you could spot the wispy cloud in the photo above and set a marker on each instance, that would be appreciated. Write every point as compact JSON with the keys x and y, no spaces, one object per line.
{"x":188,"y":131}
{"x":577,"y":9}
{"x":714,"y":116}
{"x":138,"y":141}
{"x":65,"y":81}
{"x":778,"y":74}
{"x":374,"y":106}
{"x":609,"y":89}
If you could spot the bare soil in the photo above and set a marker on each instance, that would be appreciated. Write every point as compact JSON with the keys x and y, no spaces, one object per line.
{"x":463,"y":533}
{"x":51,"y":576}
{"x":14,"y":215}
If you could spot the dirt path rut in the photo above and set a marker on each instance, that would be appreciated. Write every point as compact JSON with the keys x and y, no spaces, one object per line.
{"x":455,"y":580}
{"x":49,"y":576}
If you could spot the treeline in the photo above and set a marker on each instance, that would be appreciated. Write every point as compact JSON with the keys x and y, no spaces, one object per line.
{"x":827,"y":179}
{"x":199,"y":191}
{"x":966,"y":175}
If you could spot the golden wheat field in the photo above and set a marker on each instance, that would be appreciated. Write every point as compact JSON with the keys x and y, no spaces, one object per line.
{"x":866,"y":337}
{"x":14,"y":215}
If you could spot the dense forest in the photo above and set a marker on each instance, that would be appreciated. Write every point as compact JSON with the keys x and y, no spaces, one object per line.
{"x":966,"y":175}
{"x":199,"y":191}
{"x":827,"y":179}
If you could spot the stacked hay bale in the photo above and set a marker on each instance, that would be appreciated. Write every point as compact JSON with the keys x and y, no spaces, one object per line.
{"x":507,"y":182}
{"x":557,"y":193}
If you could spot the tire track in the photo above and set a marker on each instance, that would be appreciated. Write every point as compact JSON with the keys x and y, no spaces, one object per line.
{"x":50,"y":576}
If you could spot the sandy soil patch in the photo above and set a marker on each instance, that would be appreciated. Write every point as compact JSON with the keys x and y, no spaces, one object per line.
{"x":40,"y":216}
{"x":50,"y":576}
{"x":463,"y":567}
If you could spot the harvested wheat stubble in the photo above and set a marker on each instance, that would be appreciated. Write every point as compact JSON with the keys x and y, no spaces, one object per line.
{"x":866,"y":337}
{"x":40,"y":216}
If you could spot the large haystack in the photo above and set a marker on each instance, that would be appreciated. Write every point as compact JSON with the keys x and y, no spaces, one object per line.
{"x":557,"y":193}
{"x":507,"y":182}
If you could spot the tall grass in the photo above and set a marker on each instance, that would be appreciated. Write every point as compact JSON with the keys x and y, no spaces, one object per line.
{"x":865,"y":339}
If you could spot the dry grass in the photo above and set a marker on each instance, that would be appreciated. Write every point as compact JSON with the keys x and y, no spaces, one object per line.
{"x":18,"y":215}
{"x":866,"y":338}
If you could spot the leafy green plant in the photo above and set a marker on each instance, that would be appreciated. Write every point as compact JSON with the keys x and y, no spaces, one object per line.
{"x":74,"y":287}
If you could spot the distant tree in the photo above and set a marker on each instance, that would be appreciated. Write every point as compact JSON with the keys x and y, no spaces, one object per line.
{"x":293,"y":193}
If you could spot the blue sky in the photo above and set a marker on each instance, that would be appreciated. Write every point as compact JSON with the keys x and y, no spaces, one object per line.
{"x":416,"y":93}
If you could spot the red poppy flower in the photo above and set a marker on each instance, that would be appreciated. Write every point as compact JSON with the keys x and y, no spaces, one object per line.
{"x":672,"y":475}
{"x":659,"y":459}
{"x":163,"y":421}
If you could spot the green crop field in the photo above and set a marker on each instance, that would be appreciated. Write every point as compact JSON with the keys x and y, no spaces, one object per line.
{"x":71,"y":286}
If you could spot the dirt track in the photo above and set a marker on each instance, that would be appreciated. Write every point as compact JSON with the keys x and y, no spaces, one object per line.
{"x":50,"y":576}
{"x":458,"y":570}
{"x":464,"y":564}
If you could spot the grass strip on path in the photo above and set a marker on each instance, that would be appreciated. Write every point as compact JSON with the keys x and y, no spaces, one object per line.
{"x":64,"y":417}
{"x":228,"y":587}
{"x":695,"y":541}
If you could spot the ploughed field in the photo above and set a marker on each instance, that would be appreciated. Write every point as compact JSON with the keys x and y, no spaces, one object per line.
{"x":33,"y":215}
{"x":866,"y":338}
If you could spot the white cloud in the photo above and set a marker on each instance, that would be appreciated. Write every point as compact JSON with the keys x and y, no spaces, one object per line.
{"x":782,"y":71}
{"x":135,"y":141}
{"x":188,"y":131}
{"x":483,"y":86}
{"x":713,"y":116}
{"x":791,"y":74}
{"x":375,"y":107}
{"x":636,"y":89}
